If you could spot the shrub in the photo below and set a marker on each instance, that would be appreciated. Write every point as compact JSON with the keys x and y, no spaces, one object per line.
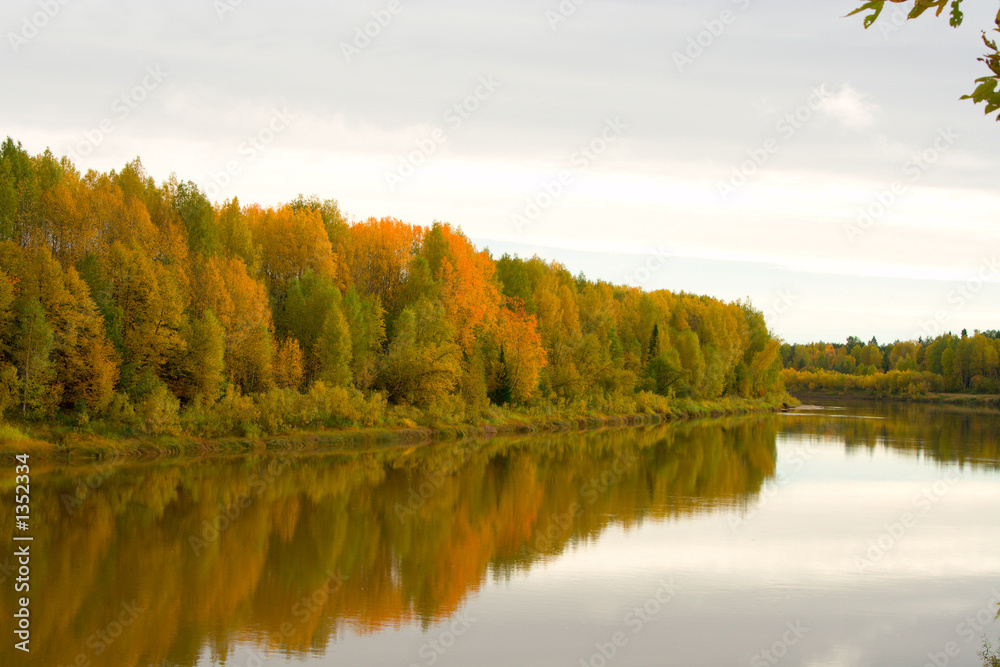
{"x":159,"y":412}
{"x":989,"y":655}
{"x":374,"y":410}
{"x":273,"y":409}
{"x":235,"y":414}
{"x":650,"y":403}
{"x":10,"y":434}
{"x":406,"y":416}
{"x":120,"y":412}
{"x":447,"y":410}
{"x":330,"y":405}
{"x":10,"y":387}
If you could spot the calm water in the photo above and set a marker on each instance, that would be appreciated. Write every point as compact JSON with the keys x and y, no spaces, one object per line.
{"x":835,"y":537}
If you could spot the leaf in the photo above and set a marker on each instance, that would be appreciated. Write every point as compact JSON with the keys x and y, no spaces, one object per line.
{"x":956,"y":14}
{"x":923,"y":5}
{"x":986,"y":92}
{"x":875,"y":6}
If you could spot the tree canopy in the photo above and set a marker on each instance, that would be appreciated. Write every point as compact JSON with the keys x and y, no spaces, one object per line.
{"x":945,"y":363}
{"x":151,"y":307}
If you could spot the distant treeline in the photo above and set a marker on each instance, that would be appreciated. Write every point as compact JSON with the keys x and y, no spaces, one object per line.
{"x":151,"y":309}
{"x":947,"y":363}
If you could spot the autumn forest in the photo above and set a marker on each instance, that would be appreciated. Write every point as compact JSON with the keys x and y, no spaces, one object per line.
{"x":144,"y":308}
{"x":961,"y":363}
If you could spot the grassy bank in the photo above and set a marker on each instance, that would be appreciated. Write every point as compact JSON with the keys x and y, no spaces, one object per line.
{"x":941,"y":398}
{"x":63,"y":441}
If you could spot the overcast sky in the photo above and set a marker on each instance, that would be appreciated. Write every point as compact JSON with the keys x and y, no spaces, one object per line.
{"x":722,"y":147}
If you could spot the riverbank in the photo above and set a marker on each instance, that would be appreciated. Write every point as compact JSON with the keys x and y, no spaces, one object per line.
{"x":81,"y":444}
{"x":962,"y":400}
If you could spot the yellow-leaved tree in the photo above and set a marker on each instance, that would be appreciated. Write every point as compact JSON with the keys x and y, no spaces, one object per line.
{"x":53,"y":334}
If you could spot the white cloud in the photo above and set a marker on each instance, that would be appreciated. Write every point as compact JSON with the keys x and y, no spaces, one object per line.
{"x":849,"y":107}
{"x":839,"y":656}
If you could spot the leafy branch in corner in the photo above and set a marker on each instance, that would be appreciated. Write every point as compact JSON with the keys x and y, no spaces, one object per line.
{"x":988,"y":87}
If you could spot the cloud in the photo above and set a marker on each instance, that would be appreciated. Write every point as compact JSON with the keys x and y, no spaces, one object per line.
{"x":655,"y":187}
{"x":839,"y":656}
{"x":848,"y":106}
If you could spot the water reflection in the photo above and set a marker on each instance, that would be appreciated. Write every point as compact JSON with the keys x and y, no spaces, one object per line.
{"x":306,"y":556}
{"x":943,"y":433}
{"x":290,"y":552}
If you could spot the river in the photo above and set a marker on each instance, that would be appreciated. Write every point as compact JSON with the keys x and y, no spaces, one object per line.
{"x":844,"y":535}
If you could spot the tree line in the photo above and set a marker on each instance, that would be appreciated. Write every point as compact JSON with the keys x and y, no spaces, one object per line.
{"x":153,"y":309}
{"x":946,"y":363}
